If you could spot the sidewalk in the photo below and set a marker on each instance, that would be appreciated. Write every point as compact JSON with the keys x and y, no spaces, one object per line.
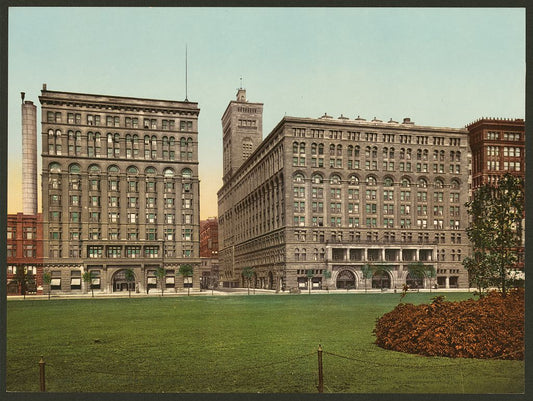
{"x":226,"y":292}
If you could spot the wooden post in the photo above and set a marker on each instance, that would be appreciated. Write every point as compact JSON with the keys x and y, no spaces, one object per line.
{"x":320,"y":386}
{"x":42,"y":385}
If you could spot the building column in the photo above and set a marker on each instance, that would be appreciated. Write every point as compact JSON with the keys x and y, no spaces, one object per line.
{"x":447,"y":282}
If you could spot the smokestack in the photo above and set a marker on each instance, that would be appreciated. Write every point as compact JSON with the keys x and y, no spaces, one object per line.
{"x":29,"y":157}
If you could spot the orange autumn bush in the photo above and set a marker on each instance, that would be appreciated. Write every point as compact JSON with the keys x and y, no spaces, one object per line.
{"x":491,"y":327}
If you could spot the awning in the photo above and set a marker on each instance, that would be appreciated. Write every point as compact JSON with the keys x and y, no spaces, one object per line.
{"x":170,"y":280}
{"x":55,"y":281}
{"x":75,"y":281}
{"x":152,"y":280}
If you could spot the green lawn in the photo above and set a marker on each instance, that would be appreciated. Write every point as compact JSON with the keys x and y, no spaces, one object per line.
{"x":256,"y":343}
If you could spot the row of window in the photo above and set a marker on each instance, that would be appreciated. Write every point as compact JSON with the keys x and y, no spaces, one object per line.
{"x":354,"y":208}
{"x":95,"y":233}
{"x":372,"y":152}
{"x":114,"y":217}
{"x":27,"y":232}
{"x":507,"y":166}
{"x":507,"y":151}
{"x":28,"y":251}
{"x":114,"y":201}
{"x":374,"y":137}
{"x":115,"y":121}
{"x":114,"y":148}
{"x":371,"y":180}
{"x":75,"y":168}
{"x":387,"y":222}
{"x":373,"y":165}
{"x":506,"y":136}
{"x":388,"y":236}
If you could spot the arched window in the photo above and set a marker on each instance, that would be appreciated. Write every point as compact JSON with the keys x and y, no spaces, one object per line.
{"x":391,"y":153}
{"x":94,"y":169}
{"x":113,"y":169}
{"x":298,"y":177}
{"x":422,"y":183}
{"x":150,"y":170}
{"x":375,"y":152}
{"x":313,"y":148}
{"x":353,"y":179}
{"x":455,"y":184}
{"x":388,"y":182}
{"x":335,"y":179}
{"x":302,"y":147}
{"x":439,"y":183}
{"x":132,"y":170}
{"x":406,"y":182}
{"x":385,"y":153}
{"x":349,"y":152}
{"x":74,"y":168}
{"x":317,"y":179}
{"x":168,"y":172}
{"x":332,"y":150}
{"x":295,"y":147}
{"x":371,"y":180}
{"x":54,"y":167}
{"x":339,"y":150}
{"x":186,"y":173}
{"x":356,"y":151}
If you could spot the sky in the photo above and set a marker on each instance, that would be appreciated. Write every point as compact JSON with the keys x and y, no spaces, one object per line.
{"x":438,"y":66}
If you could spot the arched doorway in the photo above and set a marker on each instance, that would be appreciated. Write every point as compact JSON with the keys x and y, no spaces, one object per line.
{"x":270,"y":281}
{"x":345,"y":279}
{"x":381,"y":280}
{"x":120,"y":283}
{"x":414,"y":281}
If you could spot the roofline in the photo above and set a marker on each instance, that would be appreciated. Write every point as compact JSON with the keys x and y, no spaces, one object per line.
{"x":46,"y":91}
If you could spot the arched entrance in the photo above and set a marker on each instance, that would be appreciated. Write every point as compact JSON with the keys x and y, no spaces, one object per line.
{"x":345,"y":279}
{"x":121,"y":283}
{"x":270,"y":281}
{"x":414,"y":281}
{"x":381,"y":280}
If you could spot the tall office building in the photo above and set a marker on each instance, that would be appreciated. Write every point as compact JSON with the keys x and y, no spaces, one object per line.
{"x":498,"y":147}
{"x":320,"y":198}
{"x":120,"y":190}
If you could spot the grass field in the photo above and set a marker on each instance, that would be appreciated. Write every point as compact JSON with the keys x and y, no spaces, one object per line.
{"x":249,"y":344}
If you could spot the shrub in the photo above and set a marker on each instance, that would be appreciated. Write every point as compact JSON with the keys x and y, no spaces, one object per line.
{"x":491,"y":327}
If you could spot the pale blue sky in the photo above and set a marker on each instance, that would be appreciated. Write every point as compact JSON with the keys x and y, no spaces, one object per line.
{"x":441,"y":67}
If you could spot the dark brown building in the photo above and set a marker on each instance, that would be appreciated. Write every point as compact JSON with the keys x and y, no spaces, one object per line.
{"x":209,"y":238}
{"x":498,"y":147}
{"x":24,"y":254}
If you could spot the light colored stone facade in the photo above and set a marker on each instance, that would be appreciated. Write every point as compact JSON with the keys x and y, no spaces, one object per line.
{"x":323,"y":197}
{"x":120,"y":190}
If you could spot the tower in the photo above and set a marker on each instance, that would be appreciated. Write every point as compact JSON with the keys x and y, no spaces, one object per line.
{"x":242,"y":127}
{"x":29,"y":157}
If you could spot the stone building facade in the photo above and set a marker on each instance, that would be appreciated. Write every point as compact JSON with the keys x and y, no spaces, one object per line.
{"x":120,"y":190}
{"x":321,"y":198}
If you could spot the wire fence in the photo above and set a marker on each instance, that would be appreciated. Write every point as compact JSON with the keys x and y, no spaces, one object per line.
{"x":137,"y":375}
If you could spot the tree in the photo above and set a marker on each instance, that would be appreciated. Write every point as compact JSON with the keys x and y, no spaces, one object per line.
{"x":430,"y":273}
{"x":327,"y":276}
{"x":160,"y":274}
{"x":382,"y":270}
{"x":47,"y":279}
{"x":88,"y":279}
{"x":248,"y":273}
{"x":368,"y":271}
{"x":417,"y":270}
{"x":495,"y":232}
{"x":186,"y":271}
{"x":309,"y":278}
{"x":130,"y":278}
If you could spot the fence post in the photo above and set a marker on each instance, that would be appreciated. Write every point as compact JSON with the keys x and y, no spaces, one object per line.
{"x":320,"y":386}
{"x":42,"y":385}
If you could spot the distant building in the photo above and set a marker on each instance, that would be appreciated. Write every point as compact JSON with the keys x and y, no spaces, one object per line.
{"x":209,"y":238}
{"x":24,"y":254}
{"x":320,"y":198}
{"x":498,"y":147}
{"x":120,"y":190}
